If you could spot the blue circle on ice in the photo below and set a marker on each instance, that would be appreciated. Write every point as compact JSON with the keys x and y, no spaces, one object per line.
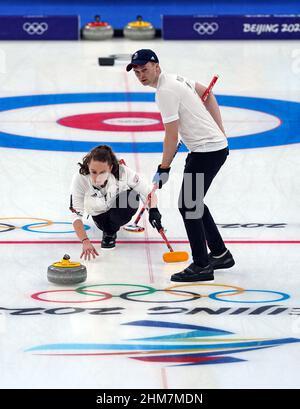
{"x":288,"y":132}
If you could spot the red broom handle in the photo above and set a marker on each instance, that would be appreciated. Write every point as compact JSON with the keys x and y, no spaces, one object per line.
{"x":209,"y":88}
{"x":162,"y":233}
{"x":141,"y":212}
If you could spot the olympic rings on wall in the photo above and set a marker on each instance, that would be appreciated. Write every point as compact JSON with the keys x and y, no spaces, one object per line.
{"x":139,"y":295}
{"x":206,"y":28}
{"x":5,"y":227}
{"x":35,"y":28}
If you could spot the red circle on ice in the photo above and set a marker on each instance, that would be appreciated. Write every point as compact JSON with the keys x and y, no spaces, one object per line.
{"x":115,"y":121}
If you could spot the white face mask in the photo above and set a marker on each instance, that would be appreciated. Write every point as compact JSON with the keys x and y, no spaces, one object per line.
{"x":101,"y":179}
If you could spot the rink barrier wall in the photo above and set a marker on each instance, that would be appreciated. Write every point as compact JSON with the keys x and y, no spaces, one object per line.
{"x":39,"y":28}
{"x":118,"y":13}
{"x":235,"y":27}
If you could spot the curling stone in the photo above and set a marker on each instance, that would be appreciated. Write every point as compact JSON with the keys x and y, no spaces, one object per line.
{"x":113,"y":58}
{"x":66,"y":272}
{"x":139,"y":30}
{"x":97,"y":30}
{"x":106,"y":61}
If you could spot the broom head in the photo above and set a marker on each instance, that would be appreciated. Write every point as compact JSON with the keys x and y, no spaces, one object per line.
{"x":134,"y":228}
{"x":175,"y":256}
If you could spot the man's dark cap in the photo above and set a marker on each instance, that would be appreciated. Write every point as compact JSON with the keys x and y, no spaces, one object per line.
{"x":141,"y":57}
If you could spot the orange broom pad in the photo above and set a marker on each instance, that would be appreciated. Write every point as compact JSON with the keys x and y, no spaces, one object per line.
{"x":175,"y":256}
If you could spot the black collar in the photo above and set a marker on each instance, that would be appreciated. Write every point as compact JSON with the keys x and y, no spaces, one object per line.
{"x":101,"y":187}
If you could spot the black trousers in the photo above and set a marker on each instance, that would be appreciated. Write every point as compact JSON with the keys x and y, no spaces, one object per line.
{"x":199,"y":172}
{"x":123,"y":209}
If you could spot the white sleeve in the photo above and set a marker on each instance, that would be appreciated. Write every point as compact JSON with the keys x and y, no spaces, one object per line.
{"x":77,"y":193}
{"x":139,"y":184}
{"x":168,"y":105}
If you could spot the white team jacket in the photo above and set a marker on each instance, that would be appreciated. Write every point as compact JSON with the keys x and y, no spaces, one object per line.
{"x":87,"y":198}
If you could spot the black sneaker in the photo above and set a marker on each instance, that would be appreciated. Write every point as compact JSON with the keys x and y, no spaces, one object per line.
{"x":108,"y":241}
{"x":226,"y":261}
{"x":194,"y":273}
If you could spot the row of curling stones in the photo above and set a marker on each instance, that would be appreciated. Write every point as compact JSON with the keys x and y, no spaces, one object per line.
{"x":134,"y":30}
{"x":66,"y":271}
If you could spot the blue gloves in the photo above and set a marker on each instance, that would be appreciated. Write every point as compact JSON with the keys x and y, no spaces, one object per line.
{"x":161,"y":176}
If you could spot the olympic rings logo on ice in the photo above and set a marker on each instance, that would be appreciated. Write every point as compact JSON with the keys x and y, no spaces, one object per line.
{"x":178,"y":294}
{"x":206,"y":28}
{"x":34,"y":227}
{"x":35,"y":28}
